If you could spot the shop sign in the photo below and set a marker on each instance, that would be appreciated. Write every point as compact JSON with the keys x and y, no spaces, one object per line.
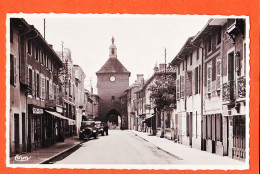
{"x":37,"y":111}
{"x":72,"y":122}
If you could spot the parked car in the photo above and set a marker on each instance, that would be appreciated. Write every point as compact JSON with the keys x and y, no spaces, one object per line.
{"x":87,"y":130}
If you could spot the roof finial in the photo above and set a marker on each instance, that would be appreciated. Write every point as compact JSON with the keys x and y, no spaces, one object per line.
{"x":113,"y":39}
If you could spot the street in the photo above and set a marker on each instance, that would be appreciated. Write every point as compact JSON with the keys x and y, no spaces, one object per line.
{"x":120,"y":147}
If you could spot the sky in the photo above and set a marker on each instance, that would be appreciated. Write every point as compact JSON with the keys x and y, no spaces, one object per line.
{"x":140,"y":39}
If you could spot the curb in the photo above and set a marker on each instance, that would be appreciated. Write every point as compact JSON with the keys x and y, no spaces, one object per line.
{"x":60,"y":153}
{"x":169,"y":153}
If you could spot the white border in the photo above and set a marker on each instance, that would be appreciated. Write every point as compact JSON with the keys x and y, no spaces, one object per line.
{"x":117,"y":166}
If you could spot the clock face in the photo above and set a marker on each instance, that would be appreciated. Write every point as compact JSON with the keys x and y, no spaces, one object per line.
{"x":112,"y":78}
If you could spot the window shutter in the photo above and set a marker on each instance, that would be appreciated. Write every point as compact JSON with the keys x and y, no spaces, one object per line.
{"x":50,"y":90}
{"x":218,"y":75}
{"x":196,"y":80}
{"x":33,"y":88}
{"x":178,"y":90}
{"x":209,"y":77}
{"x":43,"y":87}
{"x":214,"y":69}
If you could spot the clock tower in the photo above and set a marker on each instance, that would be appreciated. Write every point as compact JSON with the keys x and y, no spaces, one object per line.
{"x":112,"y":81}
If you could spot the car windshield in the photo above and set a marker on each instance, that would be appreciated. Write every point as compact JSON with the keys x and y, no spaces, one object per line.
{"x":87,"y":123}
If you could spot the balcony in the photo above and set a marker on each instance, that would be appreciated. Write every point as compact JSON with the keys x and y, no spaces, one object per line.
{"x":241,"y":87}
{"x":228,"y":91}
{"x":235,"y":26}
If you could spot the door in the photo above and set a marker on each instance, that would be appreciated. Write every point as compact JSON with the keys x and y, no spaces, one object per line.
{"x":16,"y":133}
{"x":190,"y":131}
{"x":23,"y":132}
{"x":239,"y":137}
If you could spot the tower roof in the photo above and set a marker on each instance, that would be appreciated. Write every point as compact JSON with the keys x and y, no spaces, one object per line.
{"x":113,"y":65}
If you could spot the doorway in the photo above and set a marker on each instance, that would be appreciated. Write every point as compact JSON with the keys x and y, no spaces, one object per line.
{"x":16,"y":133}
{"x":23,"y":132}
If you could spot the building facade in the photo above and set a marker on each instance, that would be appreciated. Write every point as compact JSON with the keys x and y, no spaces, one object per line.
{"x":37,"y":77}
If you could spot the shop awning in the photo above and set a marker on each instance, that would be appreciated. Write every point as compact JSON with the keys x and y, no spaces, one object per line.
{"x":56,"y":114}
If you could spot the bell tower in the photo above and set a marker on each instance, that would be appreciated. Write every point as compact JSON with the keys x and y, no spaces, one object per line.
{"x":112,"y":81}
{"x":113,"y":49}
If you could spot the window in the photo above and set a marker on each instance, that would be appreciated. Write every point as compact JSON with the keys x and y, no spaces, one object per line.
{"x":37,"y":53}
{"x":218,"y":75}
{"x":43,"y":59}
{"x":182,"y":65}
{"x":47,"y":62}
{"x":179,"y":69}
{"x":190,"y":59}
{"x":218,"y":38}
{"x":12,"y":70}
{"x":178,"y":89}
{"x":198,"y":53}
{"x":29,"y":47}
{"x":196,"y":80}
{"x":11,"y":34}
{"x":199,"y":77}
{"x":182,"y":87}
{"x":209,"y":44}
{"x":209,"y":77}
{"x":231,"y":66}
{"x":30,"y":80}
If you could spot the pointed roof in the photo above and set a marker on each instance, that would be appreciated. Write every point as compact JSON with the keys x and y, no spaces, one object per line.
{"x":113,"y":65}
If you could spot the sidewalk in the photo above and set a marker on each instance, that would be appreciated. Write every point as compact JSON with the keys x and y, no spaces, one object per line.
{"x":43,"y":155}
{"x":188,"y":155}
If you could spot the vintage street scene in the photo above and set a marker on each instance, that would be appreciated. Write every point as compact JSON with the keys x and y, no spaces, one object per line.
{"x":127,"y":90}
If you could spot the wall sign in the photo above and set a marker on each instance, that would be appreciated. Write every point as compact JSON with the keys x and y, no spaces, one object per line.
{"x":37,"y":111}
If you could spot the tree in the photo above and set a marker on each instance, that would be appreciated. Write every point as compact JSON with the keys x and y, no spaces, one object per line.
{"x":163,"y":91}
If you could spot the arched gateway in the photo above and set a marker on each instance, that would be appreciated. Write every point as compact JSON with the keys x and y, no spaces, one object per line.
{"x":112,"y":81}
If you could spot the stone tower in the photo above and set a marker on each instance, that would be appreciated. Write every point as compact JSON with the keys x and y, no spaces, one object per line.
{"x":112,"y":81}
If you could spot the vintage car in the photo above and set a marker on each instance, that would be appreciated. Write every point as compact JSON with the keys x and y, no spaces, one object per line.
{"x":87,"y":130}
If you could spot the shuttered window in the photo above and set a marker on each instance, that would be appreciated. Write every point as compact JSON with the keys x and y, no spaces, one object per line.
{"x":37,"y":85}
{"x":30,"y":80}
{"x":196,"y":80}
{"x":47,"y":90}
{"x":191,"y":59}
{"x":209,"y":79}
{"x":42,"y":88}
{"x":178,"y":89}
{"x":218,"y":83}
{"x":214,"y":69}
{"x":182,"y":87}
{"x":12,"y":70}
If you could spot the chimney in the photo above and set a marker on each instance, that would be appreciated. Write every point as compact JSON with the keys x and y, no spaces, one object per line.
{"x":139,"y":78}
{"x":51,"y":45}
{"x":162,"y":66}
{"x":155,"y":69}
